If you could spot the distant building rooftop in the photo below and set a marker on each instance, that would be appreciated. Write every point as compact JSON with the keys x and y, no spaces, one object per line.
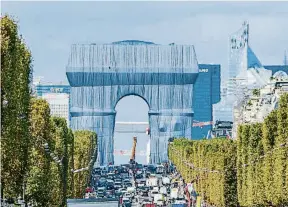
{"x":133,"y":42}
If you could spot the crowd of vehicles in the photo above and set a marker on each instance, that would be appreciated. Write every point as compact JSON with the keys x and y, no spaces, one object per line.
{"x":138,"y":185}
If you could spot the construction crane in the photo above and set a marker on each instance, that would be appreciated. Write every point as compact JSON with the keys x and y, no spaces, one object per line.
{"x":133,"y":151}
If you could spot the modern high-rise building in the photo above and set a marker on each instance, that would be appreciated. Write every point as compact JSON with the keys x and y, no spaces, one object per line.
{"x":57,"y":95}
{"x":245,"y":73}
{"x":206,"y":93}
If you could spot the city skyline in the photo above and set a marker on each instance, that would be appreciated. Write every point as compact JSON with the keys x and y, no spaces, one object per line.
{"x":211,"y":26}
{"x":206,"y":25}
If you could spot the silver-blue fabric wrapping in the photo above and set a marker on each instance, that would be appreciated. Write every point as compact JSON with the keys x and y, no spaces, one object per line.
{"x":100,"y":75}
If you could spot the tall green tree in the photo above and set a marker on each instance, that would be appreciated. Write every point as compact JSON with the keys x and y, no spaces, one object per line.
{"x":244,"y":150}
{"x":62,"y":142}
{"x":16,"y":73}
{"x":255,"y":189}
{"x":269,"y":136}
{"x":240,"y":164}
{"x":85,"y":151}
{"x":70,"y":193}
{"x":39,"y":178}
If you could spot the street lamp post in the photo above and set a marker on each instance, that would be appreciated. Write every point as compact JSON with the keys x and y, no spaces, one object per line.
{"x":23,"y":196}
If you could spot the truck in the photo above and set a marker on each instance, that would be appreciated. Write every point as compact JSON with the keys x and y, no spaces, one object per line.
{"x":165,"y":180}
{"x":160,"y":169}
{"x":163,"y":190}
{"x":159,"y":199}
{"x":174,"y":193}
{"x":152,"y":181}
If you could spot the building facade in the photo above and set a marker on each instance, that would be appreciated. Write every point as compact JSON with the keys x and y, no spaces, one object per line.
{"x":245,"y":73}
{"x":206,"y":93}
{"x":58,"y":97}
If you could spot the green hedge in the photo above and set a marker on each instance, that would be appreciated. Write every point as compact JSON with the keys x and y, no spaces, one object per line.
{"x":215,"y":161}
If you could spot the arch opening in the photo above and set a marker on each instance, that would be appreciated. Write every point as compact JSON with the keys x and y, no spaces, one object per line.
{"x":131,"y":120}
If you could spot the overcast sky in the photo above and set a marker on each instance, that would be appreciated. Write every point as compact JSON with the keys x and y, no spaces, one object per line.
{"x":49,"y":28}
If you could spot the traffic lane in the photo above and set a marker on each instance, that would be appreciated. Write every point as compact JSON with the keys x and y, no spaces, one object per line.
{"x":102,"y":204}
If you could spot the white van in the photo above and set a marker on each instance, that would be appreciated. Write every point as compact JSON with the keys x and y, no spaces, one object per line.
{"x":163,"y":190}
{"x":159,"y":199}
{"x":165,"y":181}
{"x":131,"y":190}
{"x":174,"y":193}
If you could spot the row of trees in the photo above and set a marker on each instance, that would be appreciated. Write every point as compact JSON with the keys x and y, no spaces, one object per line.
{"x":47,"y":175}
{"x":212,"y":164}
{"x":16,"y":73}
{"x":39,"y":152}
{"x":56,"y":152}
{"x":251,"y":171}
{"x":263,"y":149}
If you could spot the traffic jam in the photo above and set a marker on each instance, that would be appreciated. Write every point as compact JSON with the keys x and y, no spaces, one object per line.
{"x":140,"y":185}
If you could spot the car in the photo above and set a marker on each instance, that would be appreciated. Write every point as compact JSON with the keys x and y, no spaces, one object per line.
{"x":153,"y":193}
{"x":100,"y":194}
{"x":104,"y":172}
{"x":155,"y":189}
{"x":118,"y":180}
{"x":128,"y":195}
{"x":123,"y":191}
{"x":97,"y":171}
{"x":117,"y":186}
{"x":127,"y":185}
{"x":139,"y":176}
{"x":159,"y":203}
{"x":126,"y":202}
{"x":110,"y":184}
{"x":180,"y":201}
{"x":146,"y":200}
{"x":126,"y":180}
{"x":110,"y":194}
{"x":101,"y":182}
{"x":144,"y":193}
{"x":168,"y":191}
{"x":140,"y":185}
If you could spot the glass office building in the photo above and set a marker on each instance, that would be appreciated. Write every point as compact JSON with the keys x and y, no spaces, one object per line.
{"x":245,"y":73}
{"x":206,"y":93}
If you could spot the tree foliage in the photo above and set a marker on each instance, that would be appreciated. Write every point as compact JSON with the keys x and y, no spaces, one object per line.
{"x":39,"y":178}
{"x":26,"y":127}
{"x":262,"y":160}
{"x":85,"y":146}
{"x":16,"y":70}
{"x":216,"y":158}
{"x":63,"y":139}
